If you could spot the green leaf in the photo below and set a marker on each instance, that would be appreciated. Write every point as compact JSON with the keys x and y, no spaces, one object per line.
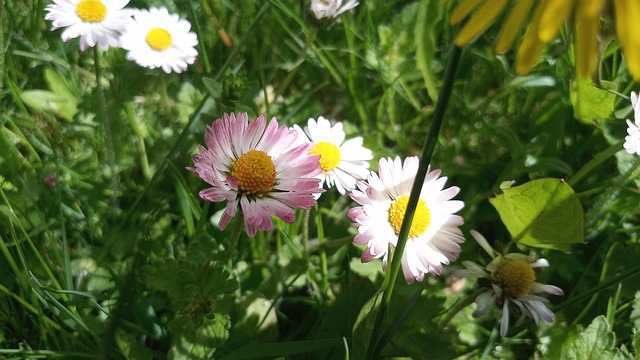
{"x":277,"y":350}
{"x":590,"y":102}
{"x":363,"y":327}
{"x":543,"y":213}
{"x":198,"y":342}
{"x":428,"y":13}
{"x":597,"y":342}
{"x":44,"y":100}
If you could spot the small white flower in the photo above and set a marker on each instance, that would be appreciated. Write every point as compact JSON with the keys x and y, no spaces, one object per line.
{"x":342,"y":162}
{"x":512,"y":280}
{"x":632,"y":141}
{"x":94,"y":21}
{"x":434,"y":237}
{"x":323,"y":9}
{"x":157,"y":39}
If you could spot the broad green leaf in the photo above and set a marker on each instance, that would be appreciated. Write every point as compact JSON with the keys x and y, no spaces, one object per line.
{"x":363,"y":326}
{"x":597,"y":342}
{"x":130,"y":347}
{"x":591,"y":102}
{"x":44,"y":100}
{"x":198,"y":342}
{"x":543,"y":213}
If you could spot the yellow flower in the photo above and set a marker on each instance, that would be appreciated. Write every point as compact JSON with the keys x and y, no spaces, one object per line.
{"x":548,"y":16}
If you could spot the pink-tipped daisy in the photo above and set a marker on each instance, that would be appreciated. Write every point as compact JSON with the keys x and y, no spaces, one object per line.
{"x":434,"y":237}
{"x":511,"y":279}
{"x":632,"y":141}
{"x":157,"y":39}
{"x":93,"y":21}
{"x":342,"y":162}
{"x":253,"y":166}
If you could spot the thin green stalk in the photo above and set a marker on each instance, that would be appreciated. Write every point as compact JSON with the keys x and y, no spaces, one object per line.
{"x":201,"y":39}
{"x":63,"y":229}
{"x":107,"y":126}
{"x":235,"y":237}
{"x":324,"y":285}
{"x":595,"y":162}
{"x":458,"y":306}
{"x":603,"y":276}
{"x":427,"y":151}
{"x":613,"y":281}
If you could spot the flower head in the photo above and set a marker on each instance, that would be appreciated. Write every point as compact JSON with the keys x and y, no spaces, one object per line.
{"x":632,"y":141}
{"x":94,"y":21}
{"x":511,"y":279}
{"x":434,"y":236}
{"x":253,"y":166}
{"x":325,"y":9}
{"x":342,"y":162}
{"x":157,"y":39}
{"x":546,"y":21}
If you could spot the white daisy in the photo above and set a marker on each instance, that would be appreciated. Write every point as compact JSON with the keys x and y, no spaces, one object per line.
{"x":632,"y":141}
{"x":342,"y":162}
{"x":158,"y":39}
{"x":434,"y":237}
{"x":94,"y":21}
{"x":323,"y":9}
{"x":511,"y":279}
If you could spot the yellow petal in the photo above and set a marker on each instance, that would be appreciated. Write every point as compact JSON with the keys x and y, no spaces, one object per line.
{"x":531,"y":46}
{"x":591,"y":8}
{"x":463,"y":10}
{"x":554,"y":14}
{"x":627,"y":13}
{"x":512,"y":25}
{"x":586,"y":41}
{"x":480,"y":21}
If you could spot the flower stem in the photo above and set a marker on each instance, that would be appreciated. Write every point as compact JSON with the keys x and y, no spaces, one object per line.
{"x":235,"y":237}
{"x":427,"y":151}
{"x":107,"y":126}
{"x":595,"y":162}
{"x":324,"y":285}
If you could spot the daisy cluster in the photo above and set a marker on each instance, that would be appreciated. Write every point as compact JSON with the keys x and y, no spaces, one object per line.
{"x":153,"y":38}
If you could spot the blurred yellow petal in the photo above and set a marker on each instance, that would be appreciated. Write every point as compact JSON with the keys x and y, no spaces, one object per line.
{"x":512,"y":25}
{"x":480,"y":21}
{"x":554,"y":14}
{"x":627,"y":13}
{"x":531,"y":46}
{"x":587,"y":27}
{"x":591,"y":8}
{"x":463,"y":10}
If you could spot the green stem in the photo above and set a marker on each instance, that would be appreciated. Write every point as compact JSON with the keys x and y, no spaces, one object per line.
{"x":107,"y":126}
{"x":235,"y":237}
{"x":458,"y":306}
{"x":427,"y":151}
{"x":63,"y":232}
{"x":201,"y":39}
{"x":595,"y":162}
{"x":323,"y":253}
{"x":613,"y":281}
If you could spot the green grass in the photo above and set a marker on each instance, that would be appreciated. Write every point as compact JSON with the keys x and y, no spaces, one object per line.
{"x":108,"y":251}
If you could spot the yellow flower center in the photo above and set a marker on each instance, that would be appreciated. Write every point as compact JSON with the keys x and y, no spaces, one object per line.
{"x":421,"y":219}
{"x":159,"y":39}
{"x":254,"y":172}
{"x":92,"y":11}
{"x":329,"y":155}
{"x":515,"y":277}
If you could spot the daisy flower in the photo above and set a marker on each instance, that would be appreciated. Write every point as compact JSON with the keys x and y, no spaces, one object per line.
{"x":94,"y":21}
{"x":632,"y":141}
{"x":510,"y":279}
{"x":434,"y":236}
{"x":157,"y":39}
{"x":324,"y":9}
{"x":253,"y":166}
{"x":342,"y":162}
